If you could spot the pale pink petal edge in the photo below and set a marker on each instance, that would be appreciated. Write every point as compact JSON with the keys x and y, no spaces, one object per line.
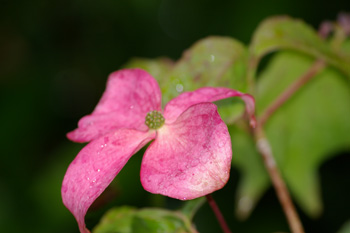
{"x":207,"y":94}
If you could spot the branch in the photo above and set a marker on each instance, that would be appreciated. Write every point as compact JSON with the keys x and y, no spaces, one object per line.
{"x":277,"y":181}
{"x":265,"y":148}
{"x":284,"y":96}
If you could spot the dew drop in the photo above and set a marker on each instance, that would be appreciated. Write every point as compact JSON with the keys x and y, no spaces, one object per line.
{"x":179,"y":88}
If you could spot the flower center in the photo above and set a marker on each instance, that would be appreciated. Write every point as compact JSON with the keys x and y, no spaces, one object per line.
{"x":154,"y":120}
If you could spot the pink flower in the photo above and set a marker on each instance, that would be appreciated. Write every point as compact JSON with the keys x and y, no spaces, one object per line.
{"x":190,"y":155}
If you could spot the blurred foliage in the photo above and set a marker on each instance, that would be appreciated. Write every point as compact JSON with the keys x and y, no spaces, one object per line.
{"x":148,"y":220}
{"x":306,"y":130}
{"x":213,"y":61}
{"x":55,"y":57}
{"x":278,"y":33}
{"x":303,"y":132}
{"x":345,"y":228}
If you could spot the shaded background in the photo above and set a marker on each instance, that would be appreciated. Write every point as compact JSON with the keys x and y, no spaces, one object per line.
{"x":55,"y":57}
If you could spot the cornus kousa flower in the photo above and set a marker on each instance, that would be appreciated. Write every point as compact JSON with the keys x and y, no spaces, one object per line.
{"x":190,"y":155}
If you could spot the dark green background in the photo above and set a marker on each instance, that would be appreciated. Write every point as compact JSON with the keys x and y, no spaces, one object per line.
{"x":55,"y":57}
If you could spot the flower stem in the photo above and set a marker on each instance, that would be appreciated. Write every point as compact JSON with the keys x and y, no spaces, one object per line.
{"x":264,"y":148}
{"x":284,"y":96}
{"x":218,"y":214}
{"x":277,"y":181}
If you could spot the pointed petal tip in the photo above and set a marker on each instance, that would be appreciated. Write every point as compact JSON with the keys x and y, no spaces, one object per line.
{"x":253,"y":122}
{"x":207,"y":94}
{"x":250,"y":108}
{"x":95,"y":166}
{"x":77,"y":136}
{"x":71,"y":136}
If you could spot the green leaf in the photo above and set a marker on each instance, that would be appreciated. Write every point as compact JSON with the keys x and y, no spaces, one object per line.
{"x":346,"y":47}
{"x":255,"y":180}
{"x":286,"y":33}
{"x":213,"y":61}
{"x":117,"y":220}
{"x":158,"y":220}
{"x":191,"y":207}
{"x":309,"y":128}
{"x":148,"y":220}
{"x":345,"y":228}
{"x":159,"y":68}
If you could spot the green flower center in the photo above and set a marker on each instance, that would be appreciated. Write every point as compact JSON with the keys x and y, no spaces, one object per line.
{"x":154,"y":120}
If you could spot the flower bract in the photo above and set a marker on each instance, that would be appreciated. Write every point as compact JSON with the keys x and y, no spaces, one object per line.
{"x":189,"y":157}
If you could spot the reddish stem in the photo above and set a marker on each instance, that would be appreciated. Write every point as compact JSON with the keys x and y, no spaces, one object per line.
{"x":282,"y":98}
{"x":277,"y":181}
{"x":265,"y":149}
{"x":218,"y":214}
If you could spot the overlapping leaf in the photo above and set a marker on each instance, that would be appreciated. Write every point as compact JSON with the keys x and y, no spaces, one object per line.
{"x":309,"y":128}
{"x":303,"y":133}
{"x":248,"y":161}
{"x":213,"y":61}
{"x":149,"y":220}
{"x":286,"y":33}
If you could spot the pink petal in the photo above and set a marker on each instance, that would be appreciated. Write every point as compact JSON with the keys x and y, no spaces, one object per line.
{"x":95,"y":167}
{"x":190,"y":157}
{"x":206,"y":94}
{"x":130,"y":94}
